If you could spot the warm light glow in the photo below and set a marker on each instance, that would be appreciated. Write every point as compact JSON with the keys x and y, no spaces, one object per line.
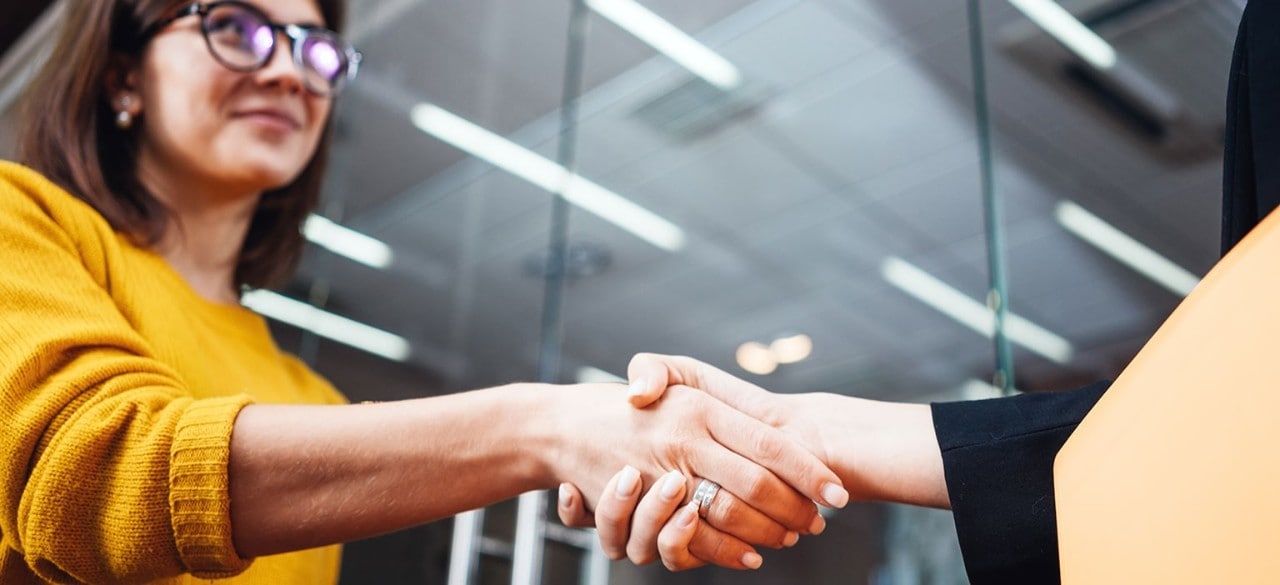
{"x":347,"y":242}
{"x":1125,"y":249}
{"x":756,"y":358}
{"x":789,"y":350}
{"x":1069,"y":31}
{"x":971,"y":313}
{"x":664,"y":37}
{"x":548,"y":175}
{"x":328,"y":325}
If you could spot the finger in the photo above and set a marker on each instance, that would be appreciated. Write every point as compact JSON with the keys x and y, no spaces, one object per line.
{"x":572,"y":509}
{"x":685,"y":543}
{"x":729,"y":514}
{"x":675,"y":537}
{"x":654,"y":511}
{"x":757,"y":486}
{"x":613,"y":512}
{"x":716,"y":547}
{"x":775,"y":451}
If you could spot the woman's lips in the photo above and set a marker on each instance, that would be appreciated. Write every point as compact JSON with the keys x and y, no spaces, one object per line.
{"x":274,"y":119}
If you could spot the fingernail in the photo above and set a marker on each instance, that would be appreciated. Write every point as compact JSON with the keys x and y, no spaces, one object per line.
{"x":564,"y":495}
{"x":671,"y":485}
{"x":752,"y":560}
{"x":628,"y":482}
{"x":835,"y":496}
{"x":637,"y":387}
{"x":687,"y":515}
{"x":818,"y":525}
{"x":791,"y":539}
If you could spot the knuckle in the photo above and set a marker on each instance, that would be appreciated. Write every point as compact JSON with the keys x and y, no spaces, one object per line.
{"x":613,"y":553}
{"x":725,"y":510}
{"x":767,"y":446}
{"x":640,"y":556}
{"x":611,"y":516}
{"x":761,"y":486}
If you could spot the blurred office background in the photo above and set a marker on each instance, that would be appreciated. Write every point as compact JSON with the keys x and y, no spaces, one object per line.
{"x":789,"y":189}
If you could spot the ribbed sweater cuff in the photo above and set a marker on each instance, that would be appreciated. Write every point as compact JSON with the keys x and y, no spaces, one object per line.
{"x":199,"y":497}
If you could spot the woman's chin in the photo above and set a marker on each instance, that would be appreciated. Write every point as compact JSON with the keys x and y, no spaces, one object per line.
{"x":266,"y":177}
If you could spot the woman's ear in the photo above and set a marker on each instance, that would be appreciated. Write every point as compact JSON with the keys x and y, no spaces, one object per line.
{"x":122,"y":89}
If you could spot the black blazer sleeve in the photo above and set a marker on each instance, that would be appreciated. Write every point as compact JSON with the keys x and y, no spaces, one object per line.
{"x":998,"y":459}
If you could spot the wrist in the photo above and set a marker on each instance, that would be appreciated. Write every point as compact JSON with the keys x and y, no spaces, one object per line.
{"x":532,"y":420}
{"x":882,"y":451}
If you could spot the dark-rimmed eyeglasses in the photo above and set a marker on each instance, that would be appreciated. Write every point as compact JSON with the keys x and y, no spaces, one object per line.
{"x":243,"y":39}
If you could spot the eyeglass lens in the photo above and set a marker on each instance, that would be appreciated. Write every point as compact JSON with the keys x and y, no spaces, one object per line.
{"x":244,"y":40}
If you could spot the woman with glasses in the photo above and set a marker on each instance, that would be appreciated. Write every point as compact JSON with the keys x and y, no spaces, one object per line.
{"x":153,"y":432}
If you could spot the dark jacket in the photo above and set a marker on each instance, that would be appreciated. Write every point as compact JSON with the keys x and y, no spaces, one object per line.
{"x":998,"y":454}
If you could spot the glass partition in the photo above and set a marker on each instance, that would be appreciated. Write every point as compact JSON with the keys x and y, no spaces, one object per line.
{"x":813,"y":195}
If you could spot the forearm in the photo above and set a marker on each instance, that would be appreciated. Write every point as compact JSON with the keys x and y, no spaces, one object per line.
{"x":305,"y":476}
{"x":882,"y":451}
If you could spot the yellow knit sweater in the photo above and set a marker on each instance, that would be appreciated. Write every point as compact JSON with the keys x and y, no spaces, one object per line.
{"x":119,"y":386}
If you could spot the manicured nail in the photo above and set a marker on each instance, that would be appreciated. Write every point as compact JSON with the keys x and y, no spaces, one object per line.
{"x":791,"y":539}
{"x":565,"y":496}
{"x":671,"y":485}
{"x":835,"y":496}
{"x":687,"y":515}
{"x":628,"y":482}
{"x":818,"y":525}
{"x":637,"y":387}
{"x":752,"y":560}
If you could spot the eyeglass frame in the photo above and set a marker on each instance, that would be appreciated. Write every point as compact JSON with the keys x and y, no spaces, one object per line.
{"x":295,"y":32}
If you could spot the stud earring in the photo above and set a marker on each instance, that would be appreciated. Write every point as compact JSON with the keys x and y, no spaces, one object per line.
{"x":124,"y":119}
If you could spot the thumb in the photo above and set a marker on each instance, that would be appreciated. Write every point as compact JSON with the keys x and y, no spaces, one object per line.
{"x":649,"y":376}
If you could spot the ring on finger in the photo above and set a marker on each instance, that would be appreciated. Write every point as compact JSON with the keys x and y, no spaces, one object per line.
{"x":705,"y":493}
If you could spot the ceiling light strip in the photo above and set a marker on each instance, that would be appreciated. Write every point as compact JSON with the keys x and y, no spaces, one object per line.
{"x":665,"y":38}
{"x":328,"y":325}
{"x":347,"y":242}
{"x":1125,"y":249}
{"x":548,"y":175}
{"x":971,"y":313}
{"x":1069,"y":31}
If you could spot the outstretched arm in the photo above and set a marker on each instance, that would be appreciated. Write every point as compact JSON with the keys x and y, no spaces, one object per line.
{"x":305,"y":476}
{"x":882,"y":451}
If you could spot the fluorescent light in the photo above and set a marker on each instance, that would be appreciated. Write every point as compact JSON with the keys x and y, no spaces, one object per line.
{"x":329,"y":325}
{"x":345,"y":241}
{"x":973,"y":314}
{"x":1069,"y":31}
{"x":670,"y":41}
{"x":548,"y":175}
{"x":1124,"y":248}
{"x":593,"y":375}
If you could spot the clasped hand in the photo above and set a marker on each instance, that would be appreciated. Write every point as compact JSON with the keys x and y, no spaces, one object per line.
{"x":769,"y":478}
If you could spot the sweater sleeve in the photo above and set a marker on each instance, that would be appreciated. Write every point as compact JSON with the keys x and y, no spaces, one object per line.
{"x":110,"y":470}
{"x":997,"y":456}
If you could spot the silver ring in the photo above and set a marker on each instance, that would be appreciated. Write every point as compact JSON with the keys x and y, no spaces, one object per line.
{"x":705,"y":493}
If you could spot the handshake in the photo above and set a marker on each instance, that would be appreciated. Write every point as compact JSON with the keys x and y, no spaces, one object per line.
{"x":723,"y":466}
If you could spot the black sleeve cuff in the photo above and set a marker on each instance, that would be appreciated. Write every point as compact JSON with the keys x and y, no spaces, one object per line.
{"x":998,"y":459}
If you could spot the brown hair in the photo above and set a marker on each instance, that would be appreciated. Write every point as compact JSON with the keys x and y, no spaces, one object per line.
{"x":68,"y":135}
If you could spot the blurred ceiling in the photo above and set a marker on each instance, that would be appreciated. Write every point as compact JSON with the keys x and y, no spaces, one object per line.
{"x":850,"y":141}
